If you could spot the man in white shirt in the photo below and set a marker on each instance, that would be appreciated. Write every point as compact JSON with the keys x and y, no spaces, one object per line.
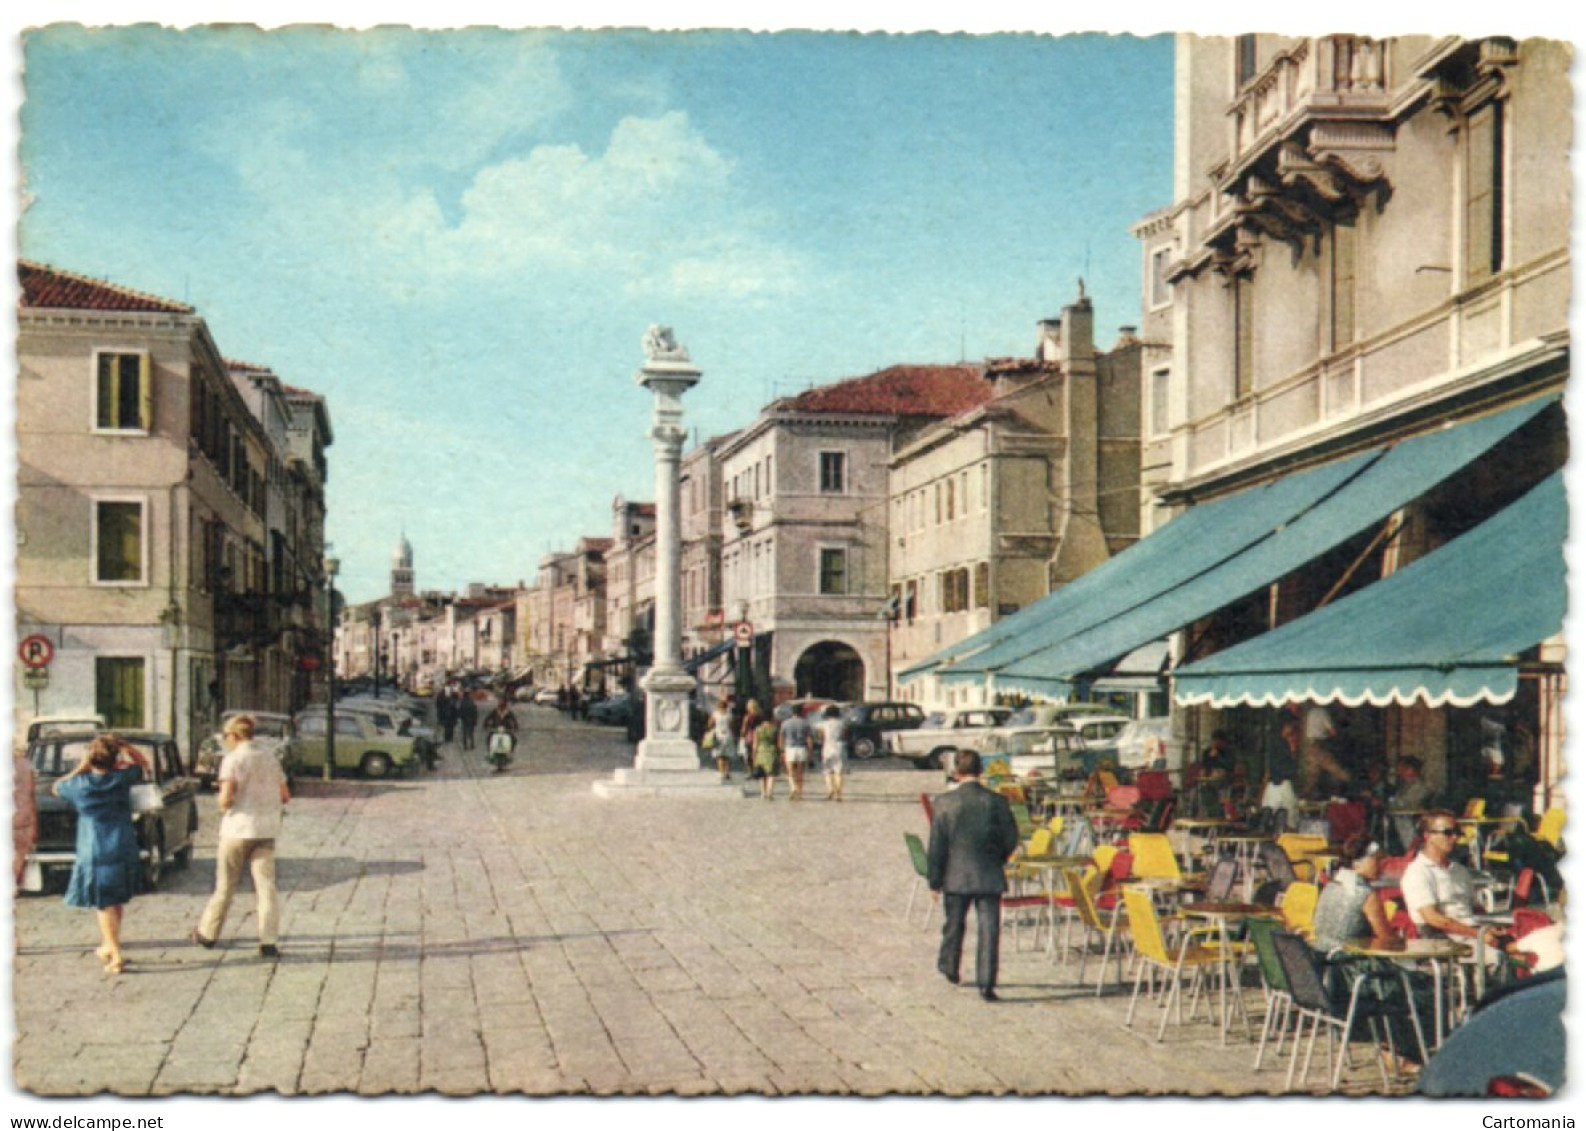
{"x":253,"y":790}
{"x":1438,"y":891}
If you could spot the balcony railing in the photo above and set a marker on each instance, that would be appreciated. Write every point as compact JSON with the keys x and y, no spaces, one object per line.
{"x":1330,"y":77}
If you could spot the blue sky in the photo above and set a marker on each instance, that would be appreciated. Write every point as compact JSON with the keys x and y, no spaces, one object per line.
{"x":459,"y":237}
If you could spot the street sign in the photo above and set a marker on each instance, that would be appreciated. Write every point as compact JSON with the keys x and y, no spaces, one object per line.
{"x":743,"y":632}
{"x":36,"y":679}
{"x":36,"y":651}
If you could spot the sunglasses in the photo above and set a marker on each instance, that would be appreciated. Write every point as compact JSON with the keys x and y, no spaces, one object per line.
{"x":1442,"y":832}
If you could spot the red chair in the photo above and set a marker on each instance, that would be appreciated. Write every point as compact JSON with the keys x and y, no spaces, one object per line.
{"x":1119,"y":871}
{"x":1153,"y":785}
{"x":1344,"y":820}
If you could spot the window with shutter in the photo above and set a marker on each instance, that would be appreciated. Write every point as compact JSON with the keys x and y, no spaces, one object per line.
{"x":1484,"y":193}
{"x":118,"y":541}
{"x":124,"y":398}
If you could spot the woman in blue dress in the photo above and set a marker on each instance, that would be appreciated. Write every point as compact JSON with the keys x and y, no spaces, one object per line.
{"x":105,"y":872}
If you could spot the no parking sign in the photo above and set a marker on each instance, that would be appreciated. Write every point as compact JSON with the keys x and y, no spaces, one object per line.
{"x":36,"y":651}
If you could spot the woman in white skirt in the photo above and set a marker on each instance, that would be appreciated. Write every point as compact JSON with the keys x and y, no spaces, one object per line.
{"x":834,"y":750}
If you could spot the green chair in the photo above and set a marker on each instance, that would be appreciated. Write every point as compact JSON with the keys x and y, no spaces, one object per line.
{"x":1274,"y":984}
{"x":922,"y":874}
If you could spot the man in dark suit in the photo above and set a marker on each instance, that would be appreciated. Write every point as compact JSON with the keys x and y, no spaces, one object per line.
{"x":972,"y":835}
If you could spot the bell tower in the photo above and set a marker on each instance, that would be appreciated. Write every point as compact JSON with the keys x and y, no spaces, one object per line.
{"x":402,"y":569}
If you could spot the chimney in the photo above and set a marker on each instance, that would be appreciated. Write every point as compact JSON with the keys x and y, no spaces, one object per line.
{"x":1048,"y":345}
{"x":1079,"y":329}
{"x":1126,"y":337}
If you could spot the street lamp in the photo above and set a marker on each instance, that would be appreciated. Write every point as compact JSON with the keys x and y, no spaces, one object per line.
{"x":377,"y":627}
{"x":332,"y":567}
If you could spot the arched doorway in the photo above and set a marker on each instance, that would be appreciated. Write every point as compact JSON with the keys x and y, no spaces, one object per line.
{"x":830,"y":670}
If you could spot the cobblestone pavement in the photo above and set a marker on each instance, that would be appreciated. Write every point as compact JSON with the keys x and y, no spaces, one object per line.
{"x":467,"y":933}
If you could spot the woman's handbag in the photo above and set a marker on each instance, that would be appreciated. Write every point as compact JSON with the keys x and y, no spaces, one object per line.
{"x":146,"y":798}
{"x":710,"y":739}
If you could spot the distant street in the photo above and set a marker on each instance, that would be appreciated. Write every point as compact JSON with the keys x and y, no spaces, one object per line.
{"x":466,"y":933}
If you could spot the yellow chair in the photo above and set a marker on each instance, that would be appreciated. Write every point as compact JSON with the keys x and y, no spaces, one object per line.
{"x":1299,"y":908}
{"x":1551,"y":828}
{"x":1103,"y":857}
{"x":1153,"y":857}
{"x":1152,"y":953}
{"x":1056,"y":825}
{"x":1298,"y":848}
{"x":1083,"y":883}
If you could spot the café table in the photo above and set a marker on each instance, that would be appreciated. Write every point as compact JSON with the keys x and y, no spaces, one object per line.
{"x":1206,"y":827}
{"x":1244,"y":846}
{"x":1224,"y":915}
{"x":1436,"y":953}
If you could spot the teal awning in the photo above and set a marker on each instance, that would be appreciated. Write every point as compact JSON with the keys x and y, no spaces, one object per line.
{"x":1197,"y":540}
{"x":1445,"y":630}
{"x":1220,"y":552}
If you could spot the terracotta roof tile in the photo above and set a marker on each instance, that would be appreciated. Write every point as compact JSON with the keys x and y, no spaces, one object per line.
{"x":45,"y":287}
{"x":901,"y":390}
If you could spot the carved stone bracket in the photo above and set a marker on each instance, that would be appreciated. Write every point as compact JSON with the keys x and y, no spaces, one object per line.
{"x":1474,"y":73}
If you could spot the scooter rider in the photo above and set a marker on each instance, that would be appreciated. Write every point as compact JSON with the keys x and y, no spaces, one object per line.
{"x":501,"y":719}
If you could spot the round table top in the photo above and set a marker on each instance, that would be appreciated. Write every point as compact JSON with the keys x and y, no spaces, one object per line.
{"x":1485,"y":820}
{"x":1214,"y":910}
{"x":1246,"y":838}
{"x":1204,"y":822}
{"x":1052,"y":860}
{"x":1408,"y":948}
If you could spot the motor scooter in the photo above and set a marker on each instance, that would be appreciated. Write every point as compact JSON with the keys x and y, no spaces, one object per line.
{"x":499,"y":747}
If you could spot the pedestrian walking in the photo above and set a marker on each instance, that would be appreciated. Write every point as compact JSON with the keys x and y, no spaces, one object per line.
{"x":468,"y":717}
{"x":24,"y":811}
{"x":446,"y":713}
{"x":973,"y":834}
{"x":765,"y":754}
{"x":253,"y":795}
{"x":745,"y":728}
{"x":105,"y":867}
{"x":794,"y":739}
{"x":833,"y":731}
{"x":723,"y":743}
{"x":575,"y":704}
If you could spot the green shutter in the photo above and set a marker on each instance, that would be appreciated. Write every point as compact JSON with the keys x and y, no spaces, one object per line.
{"x":118,"y":691}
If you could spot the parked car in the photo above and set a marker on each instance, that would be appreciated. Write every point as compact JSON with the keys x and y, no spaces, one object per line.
{"x":615,"y":711}
{"x":272,"y":731}
{"x":1051,"y":752}
{"x":545,"y":696}
{"x":164,"y":834}
{"x":942,"y":731}
{"x":67,"y":722}
{"x":360,"y":745}
{"x":393,"y":716}
{"x":867,"y":722}
{"x":1051,"y":714}
{"x":1146,"y":744}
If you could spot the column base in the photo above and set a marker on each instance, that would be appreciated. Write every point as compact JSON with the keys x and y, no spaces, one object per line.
{"x":689,"y":783}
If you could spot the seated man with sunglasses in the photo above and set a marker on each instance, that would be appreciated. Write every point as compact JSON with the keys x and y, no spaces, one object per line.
{"x":1439,"y":892}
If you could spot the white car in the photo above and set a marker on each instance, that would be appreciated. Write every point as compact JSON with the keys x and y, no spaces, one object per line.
{"x":1036,"y":751}
{"x":69,"y":722}
{"x":545,"y":697}
{"x":943,"y":731}
{"x":1053,"y":714}
{"x":1147,"y":744}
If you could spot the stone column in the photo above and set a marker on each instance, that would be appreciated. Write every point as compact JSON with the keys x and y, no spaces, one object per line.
{"x":668,"y":761}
